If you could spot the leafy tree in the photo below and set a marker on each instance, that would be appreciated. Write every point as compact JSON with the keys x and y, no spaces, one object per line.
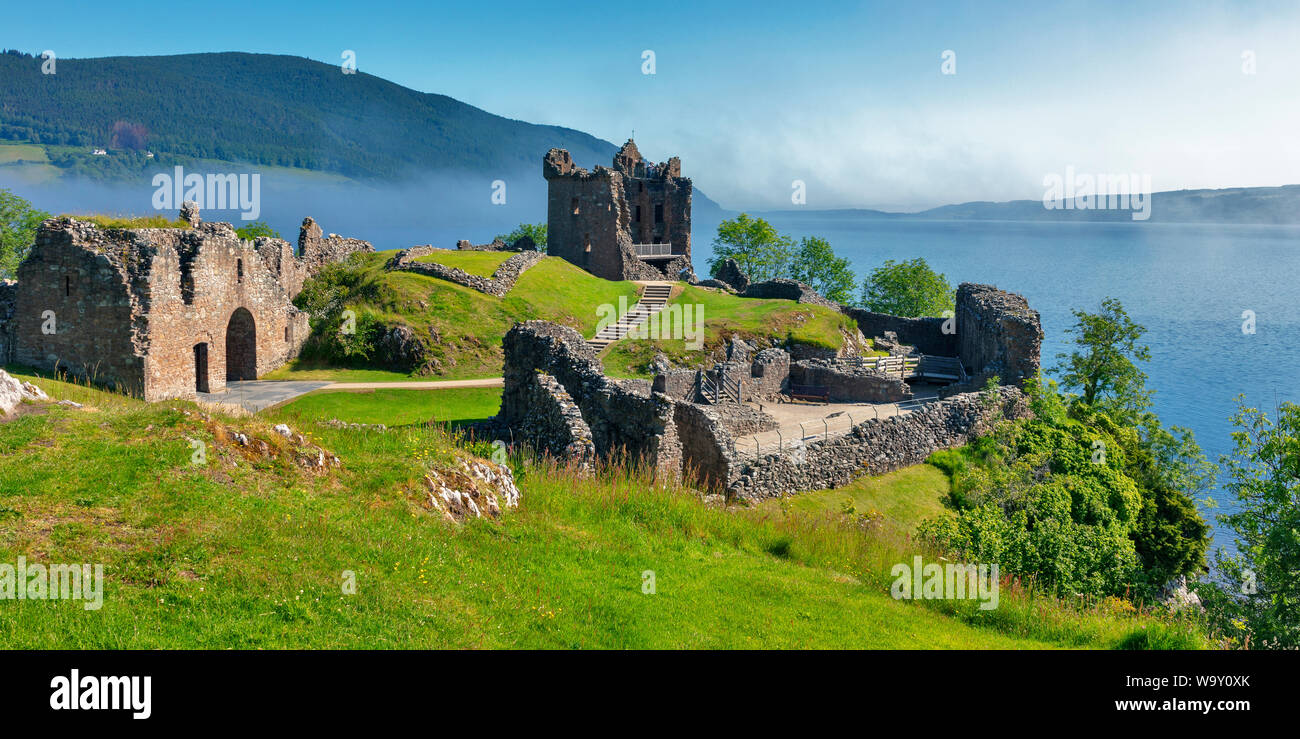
{"x":18,"y":224}
{"x":815,"y":264}
{"x":761,"y":252}
{"x":1076,"y":500}
{"x":909,"y":288}
{"x":535,"y":231}
{"x":1103,"y":367}
{"x":1261,"y":593}
{"x":256,"y":229}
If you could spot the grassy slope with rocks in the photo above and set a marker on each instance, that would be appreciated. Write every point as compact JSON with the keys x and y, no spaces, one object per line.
{"x":468,"y":325}
{"x":765,"y":322}
{"x":251,"y":554}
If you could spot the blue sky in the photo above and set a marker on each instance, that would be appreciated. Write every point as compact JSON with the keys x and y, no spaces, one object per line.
{"x":847,"y":97}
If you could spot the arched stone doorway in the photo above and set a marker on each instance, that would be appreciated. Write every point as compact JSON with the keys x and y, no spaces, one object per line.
{"x":241,"y":346}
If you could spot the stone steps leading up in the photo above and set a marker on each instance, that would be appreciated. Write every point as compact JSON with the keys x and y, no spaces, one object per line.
{"x":654,"y":298}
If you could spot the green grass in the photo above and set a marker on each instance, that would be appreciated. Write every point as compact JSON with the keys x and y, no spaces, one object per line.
{"x":252,"y":555}
{"x":392,"y":407}
{"x":902,"y":498}
{"x":129,"y":222}
{"x":23,"y":153}
{"x":464,"y":327}
{"x":770,"y":321}
{"x":481,"y":263}
{"x":306,"y":369}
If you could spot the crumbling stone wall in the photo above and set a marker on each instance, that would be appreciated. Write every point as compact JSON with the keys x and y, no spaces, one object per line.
{"x":873,"y":447}
{"x":707,"y":446}
{"x":554,"y":423}
{"x":848,"y":384}
{"x":993,"y":332}
{"x":783,"y":289}
{"x":316,"y":250}
{"x":155,"y":312}
{"x":502,"y":280}
{"x":8,"y":294}
{"x":997,"y":334}
{"x":622,"y":422}
{"x":769,"y":374}
{"x":595,"y":217}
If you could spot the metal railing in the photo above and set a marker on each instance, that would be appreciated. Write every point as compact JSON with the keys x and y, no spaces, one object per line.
{"x":653,"y":250}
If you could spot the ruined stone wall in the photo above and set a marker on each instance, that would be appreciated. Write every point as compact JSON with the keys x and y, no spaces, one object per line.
{"x":926,"y":334}
{"x":279,"y":258}
{"x":622,"y":422}
{"x":502,"y":280}
{"x":678,"y":384}
{"x":769,"y":374}
{"x":783,"y":289}
{"x":316,"y":250}
{"x":554,"y":423}
{"x":873,"y":447}
{"x":997,"y":333}
{"x":850,"y":384}
{"x":8,"y":294}
{"x":706,"y":446}
{"x":131,"y":306}
{"x":594,"y":218}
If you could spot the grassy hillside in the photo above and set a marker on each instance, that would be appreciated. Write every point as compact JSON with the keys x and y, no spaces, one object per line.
{"x":462,"y":327}
{"x":725,"y":316}
{"x":252,"y":555}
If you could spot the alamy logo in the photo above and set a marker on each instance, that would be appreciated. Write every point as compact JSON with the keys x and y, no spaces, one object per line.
{"x":242,"y":192}
{"x":95,"y":693}
{"x":1098,"y":192}
{"x":53,"y":582}
{"x":946,"y":582}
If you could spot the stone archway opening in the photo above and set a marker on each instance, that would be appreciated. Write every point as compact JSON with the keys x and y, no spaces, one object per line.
{"x":241,"y":346}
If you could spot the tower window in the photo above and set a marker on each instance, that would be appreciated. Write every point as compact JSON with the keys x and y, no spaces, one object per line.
{"x":575,"y":207}
{"x":239,"y":270}
{"x":659,"y":213}
{"x":67,"y":286}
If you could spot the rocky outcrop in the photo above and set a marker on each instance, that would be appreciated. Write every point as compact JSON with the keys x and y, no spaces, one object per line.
{"x":500,"y":283}
{"x":731,"y":274}
{"x":470,"y":489}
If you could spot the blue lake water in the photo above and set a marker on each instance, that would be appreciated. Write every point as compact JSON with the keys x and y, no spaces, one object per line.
{"x":1187,"y":284}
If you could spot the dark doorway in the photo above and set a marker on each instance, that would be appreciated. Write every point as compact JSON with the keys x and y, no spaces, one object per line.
{"x":241,"y":346}
{"x":201,"y":367}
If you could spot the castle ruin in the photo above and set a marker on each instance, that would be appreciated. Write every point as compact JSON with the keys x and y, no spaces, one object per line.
{"x":628,"y":222}
{"x":161,"y":312}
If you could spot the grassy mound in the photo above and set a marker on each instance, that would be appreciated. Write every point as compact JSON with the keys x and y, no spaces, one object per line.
{"x":460,"y":327}
{"x":240,"y":553}
{"x":768,"y":322}
{"x":481,"y":263}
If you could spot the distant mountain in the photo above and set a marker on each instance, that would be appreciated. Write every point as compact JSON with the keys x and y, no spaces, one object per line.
{"x":262,"y":109}
{"x":1243,"y":205}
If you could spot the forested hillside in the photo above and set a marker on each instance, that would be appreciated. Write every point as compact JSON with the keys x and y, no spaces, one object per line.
{"x":262,"y":109}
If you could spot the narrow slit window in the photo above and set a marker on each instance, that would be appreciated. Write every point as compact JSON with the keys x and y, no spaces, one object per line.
{"x":67,"y":286}
{"x":239,"y":270}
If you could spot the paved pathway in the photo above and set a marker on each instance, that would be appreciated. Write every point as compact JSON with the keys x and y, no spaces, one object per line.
{"x":256,"y":395}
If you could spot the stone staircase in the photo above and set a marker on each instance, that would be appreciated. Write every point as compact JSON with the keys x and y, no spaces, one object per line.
{"x":654,"y":296}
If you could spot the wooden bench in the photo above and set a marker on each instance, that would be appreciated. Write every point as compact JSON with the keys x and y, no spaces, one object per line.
{"x":810,"y":393}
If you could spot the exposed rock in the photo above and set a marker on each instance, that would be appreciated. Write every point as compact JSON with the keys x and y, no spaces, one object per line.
{"x":1176,"y":596}
{"x":730,"y":274}
{"x":478,"y":489}
{"x":190,"y":213}
{"x":11,"y":393}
